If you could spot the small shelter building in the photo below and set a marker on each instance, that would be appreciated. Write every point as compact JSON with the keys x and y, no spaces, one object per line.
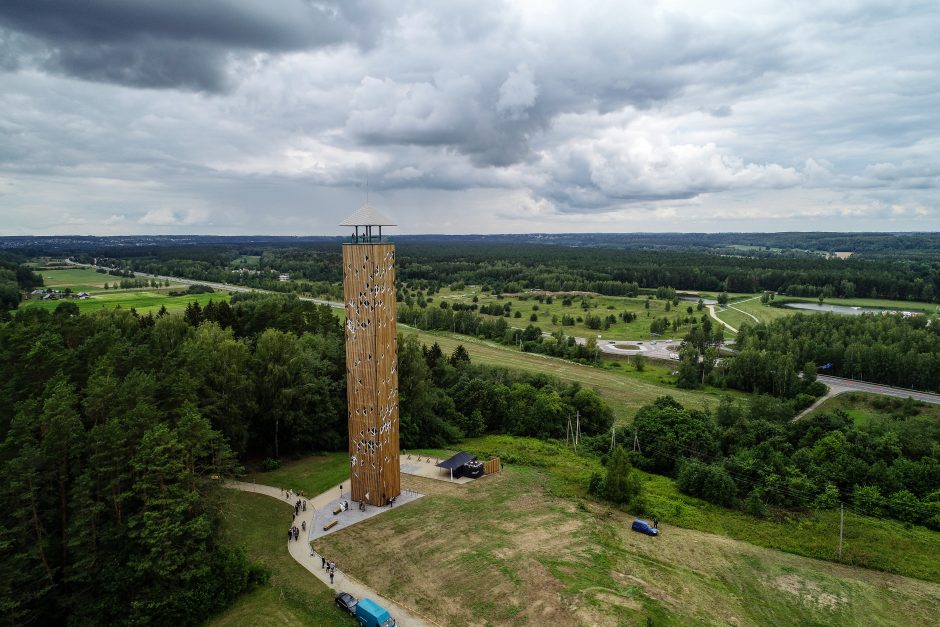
{"x":462,"y":464}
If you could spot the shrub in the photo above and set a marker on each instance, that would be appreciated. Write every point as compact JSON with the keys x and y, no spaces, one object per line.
{"x":270,"y":464}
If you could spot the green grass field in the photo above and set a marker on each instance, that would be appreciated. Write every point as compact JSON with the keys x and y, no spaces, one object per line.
{"x":621,"y":387}
{"x":873,"y":543}
{"x":310,"y":475}
{"x":601,"y":306}
{"x":865,"y":408}
{"x":143,"y":301}
{"x":292,"y":596}
{"x":79,"y":279}
{"x":526,"y":546}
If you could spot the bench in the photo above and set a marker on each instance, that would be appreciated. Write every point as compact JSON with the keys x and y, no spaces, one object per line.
{"x":337,"y":510}
{"x":330,"y":525}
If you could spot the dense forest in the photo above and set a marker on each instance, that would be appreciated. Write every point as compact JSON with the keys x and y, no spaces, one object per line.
{"x":754,"y":455}
{"x":15,"y":278}
{"x":512,"y":267}
{"x":904,"y":352}
{"x":117,"y":428}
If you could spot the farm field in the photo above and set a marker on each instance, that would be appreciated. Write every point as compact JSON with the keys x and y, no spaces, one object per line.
{"x":79,"y":279}
{"x":624,"y":391}
{"x":144,"y":301}
{"x":524,"y":546}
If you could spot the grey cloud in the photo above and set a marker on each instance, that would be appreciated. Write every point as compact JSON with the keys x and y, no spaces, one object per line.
{"x":592,"y":109}
{"x":173,"y":43}
{"x":721,"y":112}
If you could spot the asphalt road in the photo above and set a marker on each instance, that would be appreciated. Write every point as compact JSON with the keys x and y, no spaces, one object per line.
{"x":838,"y":384}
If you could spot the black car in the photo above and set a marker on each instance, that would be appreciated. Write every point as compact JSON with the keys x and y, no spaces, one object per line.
{"x":346,"y":602}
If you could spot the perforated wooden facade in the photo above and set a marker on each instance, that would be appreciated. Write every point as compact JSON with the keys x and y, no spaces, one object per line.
{"x":371,"y":371}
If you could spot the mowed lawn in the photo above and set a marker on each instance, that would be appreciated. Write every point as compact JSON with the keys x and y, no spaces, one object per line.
{"x":144,"y":301}
{"x":623,"y":391}
{"x":309,"y":476}
{"x":519,"y":548}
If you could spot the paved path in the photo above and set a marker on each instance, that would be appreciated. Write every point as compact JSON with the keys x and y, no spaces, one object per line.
{"x":304,"y":554}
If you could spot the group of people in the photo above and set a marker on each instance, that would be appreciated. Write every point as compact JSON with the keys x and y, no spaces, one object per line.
{"x":330,"y":566}
{"x":300,"y":506}
{"x":293,"y":533}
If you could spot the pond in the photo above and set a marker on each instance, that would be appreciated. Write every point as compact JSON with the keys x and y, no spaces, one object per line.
{"x":839,"y":309}
{"x":694,"y":299}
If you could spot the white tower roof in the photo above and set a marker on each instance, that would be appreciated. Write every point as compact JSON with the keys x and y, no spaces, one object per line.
{"x":367,"y":215}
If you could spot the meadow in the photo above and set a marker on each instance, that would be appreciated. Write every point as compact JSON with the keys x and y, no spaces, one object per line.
{"x":865,"y":408}
{"x":527,"y":545}
{"x":619,"y":384}
{"x":549,"y":315}
{"x":144,"y":299}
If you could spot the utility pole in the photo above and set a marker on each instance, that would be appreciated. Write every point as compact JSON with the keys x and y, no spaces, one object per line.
{"x":841,"y":524}
{"x":611,"y":437}
{"x":636,"y":443}
{"x":577,"y":436}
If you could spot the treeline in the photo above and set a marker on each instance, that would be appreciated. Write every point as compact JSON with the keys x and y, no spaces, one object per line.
{"x":15,"y":278}
{"x":445,"y":398}
{"x":530,"y":339}
{"x":889,"y":349}
{"x":754,"y":457}
{"x":502,"y":266}
{"x":516,"y":267}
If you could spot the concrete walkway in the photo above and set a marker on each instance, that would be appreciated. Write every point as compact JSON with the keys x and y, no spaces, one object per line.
{"x":304,"y":554}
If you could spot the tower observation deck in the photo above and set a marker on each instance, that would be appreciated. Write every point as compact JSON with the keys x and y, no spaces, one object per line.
{"x":371,"y":358}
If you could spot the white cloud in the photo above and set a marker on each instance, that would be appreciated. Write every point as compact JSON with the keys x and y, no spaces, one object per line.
{"x":171,"y":217}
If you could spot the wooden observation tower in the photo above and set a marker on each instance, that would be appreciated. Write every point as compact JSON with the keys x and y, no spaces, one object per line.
{"x":371,"y":359}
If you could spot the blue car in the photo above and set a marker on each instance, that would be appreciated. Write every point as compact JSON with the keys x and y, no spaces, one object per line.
{"x":644,"y":527}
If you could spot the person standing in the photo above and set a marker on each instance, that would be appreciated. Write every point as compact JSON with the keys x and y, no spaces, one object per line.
{"x":322,"y":563}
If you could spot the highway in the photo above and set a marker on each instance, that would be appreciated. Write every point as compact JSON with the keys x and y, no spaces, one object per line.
{"x":838,"y":385}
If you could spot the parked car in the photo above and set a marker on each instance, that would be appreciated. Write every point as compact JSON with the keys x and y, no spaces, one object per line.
{"x":371,"y":614}
{"x":346,"y":602}
{"x":644,"y":527}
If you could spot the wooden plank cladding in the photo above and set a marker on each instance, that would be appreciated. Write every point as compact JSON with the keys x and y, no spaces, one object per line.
{"x":492,"y":466}
{"x":372,"y":371}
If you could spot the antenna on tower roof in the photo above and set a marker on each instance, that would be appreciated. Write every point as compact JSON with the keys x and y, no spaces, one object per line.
{"x":367,"y":186}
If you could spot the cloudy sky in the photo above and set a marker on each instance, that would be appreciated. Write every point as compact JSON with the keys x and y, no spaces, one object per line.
{"x":268,"y":117}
